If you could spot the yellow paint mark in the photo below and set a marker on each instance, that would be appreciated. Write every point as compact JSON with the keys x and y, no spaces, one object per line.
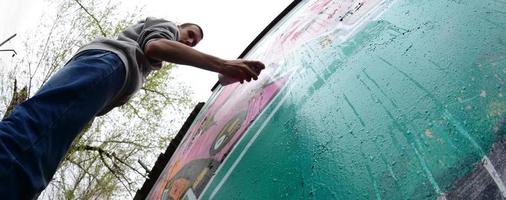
{"x":233,"y":125}
{"x":496,"y":108}
{"x":200,"y":177}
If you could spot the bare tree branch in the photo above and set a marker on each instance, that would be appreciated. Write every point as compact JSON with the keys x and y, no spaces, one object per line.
{"x":144,"y":166}
{"x":157,"y":92}
{"x":85,"y":170}
{"x":111,"y":156}
{"x":17,"y":98}
{"x":45,"y":51}
{"x":113,"y":172}
{"x":136,"y":112}
{"x":78,"y":179}
{"x":92,"y":17}
{"x":124,"y":142}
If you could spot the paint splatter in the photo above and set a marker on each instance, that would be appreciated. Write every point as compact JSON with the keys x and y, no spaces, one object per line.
{"x":469,"y":107}
{"x":428,"y":133}
{"x":496,"y":108}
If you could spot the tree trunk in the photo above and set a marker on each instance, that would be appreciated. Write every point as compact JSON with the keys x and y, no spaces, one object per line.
{"x":17,"y":98}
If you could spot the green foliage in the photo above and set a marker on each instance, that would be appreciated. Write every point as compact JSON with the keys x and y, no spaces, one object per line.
{"x":103,"y":160}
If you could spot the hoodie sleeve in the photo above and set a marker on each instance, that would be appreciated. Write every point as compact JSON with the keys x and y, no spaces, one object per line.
{"x":154,"y":29}
{"x":157,"y":28}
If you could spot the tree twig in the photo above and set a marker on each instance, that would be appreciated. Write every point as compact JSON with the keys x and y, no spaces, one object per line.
{"x":157,"y":92}
{"x":111,"y":156}
{"x":92,"y":17}
{"x":112,"y":171}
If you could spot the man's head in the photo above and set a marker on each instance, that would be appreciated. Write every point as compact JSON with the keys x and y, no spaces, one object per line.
{"x":190,"y":34}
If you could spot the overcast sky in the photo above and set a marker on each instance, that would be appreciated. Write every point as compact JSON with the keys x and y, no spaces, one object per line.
{"x":229,"y":26}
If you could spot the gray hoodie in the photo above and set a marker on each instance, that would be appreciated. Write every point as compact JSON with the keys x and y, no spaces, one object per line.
{"x":129,"y":47}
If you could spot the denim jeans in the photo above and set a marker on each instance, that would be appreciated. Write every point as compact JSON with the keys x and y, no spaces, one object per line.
{"x":38,"y":133}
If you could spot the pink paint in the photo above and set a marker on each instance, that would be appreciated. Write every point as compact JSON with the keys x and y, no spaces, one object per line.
{"x":236,"y":99}
{"x":250,"y":97}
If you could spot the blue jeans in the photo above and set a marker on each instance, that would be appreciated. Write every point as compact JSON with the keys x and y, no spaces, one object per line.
{"x":39,"y":131}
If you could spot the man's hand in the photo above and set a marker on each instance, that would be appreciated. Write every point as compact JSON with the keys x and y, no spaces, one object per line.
{"x":176,"y":52}
{"x":242,"y":70}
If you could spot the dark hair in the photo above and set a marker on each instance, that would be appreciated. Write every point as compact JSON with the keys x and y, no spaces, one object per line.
{"x":192,"y":24}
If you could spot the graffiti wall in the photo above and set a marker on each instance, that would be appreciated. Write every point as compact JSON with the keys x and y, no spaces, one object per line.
{"x":360,"y":99}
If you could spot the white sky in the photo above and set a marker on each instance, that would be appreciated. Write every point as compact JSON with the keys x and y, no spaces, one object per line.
{"x":229,"y":26}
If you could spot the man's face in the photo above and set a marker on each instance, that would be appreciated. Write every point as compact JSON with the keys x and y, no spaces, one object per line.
{"x":189,"y":35}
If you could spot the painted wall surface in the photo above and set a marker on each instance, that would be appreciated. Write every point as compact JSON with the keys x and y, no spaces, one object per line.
{"x":369,"y":99}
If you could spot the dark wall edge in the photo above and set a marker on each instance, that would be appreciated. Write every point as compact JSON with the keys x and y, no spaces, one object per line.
{"x":163,"y":158}
{"x":265,"y":31}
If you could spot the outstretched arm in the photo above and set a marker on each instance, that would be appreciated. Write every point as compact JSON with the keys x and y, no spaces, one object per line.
{"x":176,"y":52}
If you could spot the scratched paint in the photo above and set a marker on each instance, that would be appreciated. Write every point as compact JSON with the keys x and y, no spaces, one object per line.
{"x":371,"y":99}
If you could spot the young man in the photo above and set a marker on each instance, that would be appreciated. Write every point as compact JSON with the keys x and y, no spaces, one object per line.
{"x":102,"y":75}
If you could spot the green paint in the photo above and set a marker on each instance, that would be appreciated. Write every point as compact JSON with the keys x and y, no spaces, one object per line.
{"x":401,"y":109}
